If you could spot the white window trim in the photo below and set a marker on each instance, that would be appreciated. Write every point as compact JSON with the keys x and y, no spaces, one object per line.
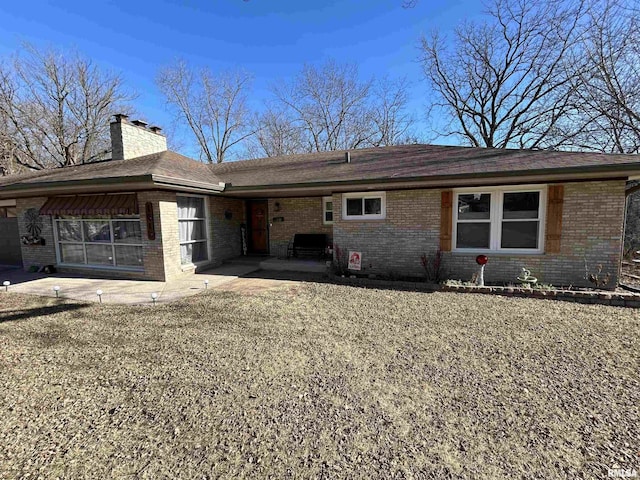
{"x":495,"y":218}
{"x":113,"y":244}
{"x":364,"y":196}
{"x":186,"y":266}
{"x":324,"y":210}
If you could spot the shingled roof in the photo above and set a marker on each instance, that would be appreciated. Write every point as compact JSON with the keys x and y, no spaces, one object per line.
{"x":381,"y":165}
{"x":409,"y":162}
{"x":164,"y":164}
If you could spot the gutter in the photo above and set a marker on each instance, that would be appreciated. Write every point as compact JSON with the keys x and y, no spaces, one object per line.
{"x":109,"y":184}
{"x":154,"y":181}
{"x":163,"y":180}
{"x":47,"y":188}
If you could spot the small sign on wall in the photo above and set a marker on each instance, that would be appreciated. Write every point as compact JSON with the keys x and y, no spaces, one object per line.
{"x":151,"y":226}
{"x":355,"y":260}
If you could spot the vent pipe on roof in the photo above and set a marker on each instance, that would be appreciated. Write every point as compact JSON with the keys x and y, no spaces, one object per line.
{"x":347,"y":157}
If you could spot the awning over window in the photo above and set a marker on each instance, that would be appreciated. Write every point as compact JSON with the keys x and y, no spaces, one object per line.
{"x":121,"y":204}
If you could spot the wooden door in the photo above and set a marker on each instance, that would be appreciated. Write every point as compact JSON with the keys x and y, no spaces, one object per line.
{"x":258,"y":227}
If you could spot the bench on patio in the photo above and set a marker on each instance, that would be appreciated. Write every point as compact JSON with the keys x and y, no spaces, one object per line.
{"x":314,"y":244}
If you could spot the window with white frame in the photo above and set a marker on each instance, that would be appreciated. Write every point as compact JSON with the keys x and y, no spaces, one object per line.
{"x":192,"y":227}
{"x":364,"y":206}
{"x":114,"y":241}
{"x":500,"y":219}
{"x":327,"y":210}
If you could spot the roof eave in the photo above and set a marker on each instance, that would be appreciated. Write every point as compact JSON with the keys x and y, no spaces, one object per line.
{"x":172,"y":183}
{"x":109,"y":184}
{"x":451,"y":181}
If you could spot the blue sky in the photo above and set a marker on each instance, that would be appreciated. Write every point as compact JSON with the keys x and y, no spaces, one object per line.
{"x":270,"y":38}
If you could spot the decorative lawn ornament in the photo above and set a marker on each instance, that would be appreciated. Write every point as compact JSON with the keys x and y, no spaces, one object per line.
{"x":33,"y":224}
{"x":526,"y":279}
{"x":206,"y":284}
{"x":57,"y":290}
{"x":243,"y":238}
{"x":6,"y":284}
{"x":99,"y":293}
{"x":482,"y":261}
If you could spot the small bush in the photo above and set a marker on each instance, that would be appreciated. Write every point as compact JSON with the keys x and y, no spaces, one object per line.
{"x":433,"y":265}
{"x":340,"y":261}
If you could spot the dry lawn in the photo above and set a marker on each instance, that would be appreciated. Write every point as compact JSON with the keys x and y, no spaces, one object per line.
{"x":318,"y":381}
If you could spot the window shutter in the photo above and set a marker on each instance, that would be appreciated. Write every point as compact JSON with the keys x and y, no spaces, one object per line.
{"x":554,"y":218}
{"x":446,"y":220}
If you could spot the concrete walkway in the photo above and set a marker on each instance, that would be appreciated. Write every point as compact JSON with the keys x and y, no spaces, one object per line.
{"x":227,"y":277}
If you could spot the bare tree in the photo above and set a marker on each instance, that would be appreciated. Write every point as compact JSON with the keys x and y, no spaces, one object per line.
{"x":391,"y":118}
{"x":329,"y":103}
{"x":606,"y":92}
{"x":214,"y":106}
{"x":55,"y":109}
{"x":506,"y":82}
{"x":8,"y":145}
{"x":275,"y":134}
{"x":328,"y":107}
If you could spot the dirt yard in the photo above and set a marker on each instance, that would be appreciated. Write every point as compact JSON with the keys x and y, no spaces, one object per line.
{"x":318,"y":381}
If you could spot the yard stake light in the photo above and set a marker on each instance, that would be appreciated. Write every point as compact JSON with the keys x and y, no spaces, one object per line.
{"x":206,"y":284}
{"x":6,"y":284}
{"x":154,"y":297}
{"x":99,"y":293}
{"x":57,"y":290}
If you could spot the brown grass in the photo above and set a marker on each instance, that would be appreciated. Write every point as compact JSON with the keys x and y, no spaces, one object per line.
{"x":318,"y":381}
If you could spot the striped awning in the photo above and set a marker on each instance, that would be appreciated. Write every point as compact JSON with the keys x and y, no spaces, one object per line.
{"x":119,"y":204}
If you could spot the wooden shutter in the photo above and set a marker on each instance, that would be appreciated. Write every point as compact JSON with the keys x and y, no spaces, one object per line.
{"x":446,"y":220}
{"x":553,"y":233}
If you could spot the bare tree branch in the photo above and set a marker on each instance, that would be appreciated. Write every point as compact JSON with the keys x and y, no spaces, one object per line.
{"x":506,"y":82}
{"x":55,"y":109}
{"x":214,"y":106}
{"x":607,"y":95}
{"x":328,"y":107}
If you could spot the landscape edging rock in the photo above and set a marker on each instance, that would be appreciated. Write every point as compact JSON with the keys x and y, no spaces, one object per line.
{"x":615,"y":299}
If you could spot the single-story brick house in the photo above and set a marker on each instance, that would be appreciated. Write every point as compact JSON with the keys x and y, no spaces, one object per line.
{"x":154,"y":214}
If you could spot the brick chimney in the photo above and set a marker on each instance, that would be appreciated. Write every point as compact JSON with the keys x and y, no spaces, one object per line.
{"x":134,"y":139}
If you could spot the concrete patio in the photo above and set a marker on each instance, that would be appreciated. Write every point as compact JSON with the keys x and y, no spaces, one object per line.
{"x":231,"y":276}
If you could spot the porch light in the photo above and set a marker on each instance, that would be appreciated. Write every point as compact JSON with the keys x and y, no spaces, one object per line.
{"x":154,"y":297}
{"x":6,"y":284}
{"x":206,"y":284}
{"x":99,"y":293}
{"x":57,"y":290}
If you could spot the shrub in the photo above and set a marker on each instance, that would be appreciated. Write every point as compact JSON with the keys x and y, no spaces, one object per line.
{"x":340,"y":261}
{"x":433,"y":265}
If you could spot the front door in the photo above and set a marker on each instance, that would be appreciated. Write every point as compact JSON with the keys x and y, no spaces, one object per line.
{"x":258,"y":227}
